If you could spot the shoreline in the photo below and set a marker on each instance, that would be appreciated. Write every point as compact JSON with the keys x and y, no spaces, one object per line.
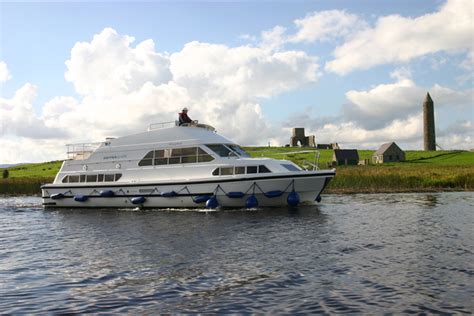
{"x":422,"y":172}
{"x":33,"y":189}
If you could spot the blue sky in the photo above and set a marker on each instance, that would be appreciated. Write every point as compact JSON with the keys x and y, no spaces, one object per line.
{"x":37,"y":39}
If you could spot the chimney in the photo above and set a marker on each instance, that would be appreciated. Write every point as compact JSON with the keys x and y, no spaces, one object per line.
{"x":429,"y":124}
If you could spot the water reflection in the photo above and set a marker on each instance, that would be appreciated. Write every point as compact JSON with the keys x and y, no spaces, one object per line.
{"x":430,"y":200}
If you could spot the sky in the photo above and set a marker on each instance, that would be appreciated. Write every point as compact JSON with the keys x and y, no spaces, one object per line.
{"x":351,"y":72}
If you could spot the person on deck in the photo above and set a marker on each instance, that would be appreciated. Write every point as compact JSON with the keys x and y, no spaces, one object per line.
{"x":184,"y":118}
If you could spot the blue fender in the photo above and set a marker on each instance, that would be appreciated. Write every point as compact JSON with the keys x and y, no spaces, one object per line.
{"x":251,"y":202}
{"x":293,"y":199}
{"x":235,"y":195}
{"x":81,"y":198}
{"x":212,"y":203}
{"x":138,"y":200}
{"x":273,"y":194}
{"x":106,"y":193}
{"x":169,"y":194}
{"x":201,"y":199}
{"x":57,"y":196}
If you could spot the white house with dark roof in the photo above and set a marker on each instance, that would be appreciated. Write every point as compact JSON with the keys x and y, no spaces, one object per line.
{"x":388,"y":152}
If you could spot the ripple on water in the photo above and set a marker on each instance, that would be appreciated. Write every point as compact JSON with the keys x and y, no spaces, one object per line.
{"x":361,"y":254}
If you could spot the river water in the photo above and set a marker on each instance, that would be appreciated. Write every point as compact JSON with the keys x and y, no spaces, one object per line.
{"x":400,"y":253}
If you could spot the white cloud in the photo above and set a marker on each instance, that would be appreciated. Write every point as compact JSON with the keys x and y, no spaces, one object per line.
{"x":326,"y":25}
{"x":22,"y":149}
{"x":399,"y":39}
{"x":274,"y":38}
{"x":17,"y":116}
{"x":381,"y":105}
{"x":108,"y":65}
{"x":241,"y":73}
{"x":4,"y":73}
{"x":125,"y":88}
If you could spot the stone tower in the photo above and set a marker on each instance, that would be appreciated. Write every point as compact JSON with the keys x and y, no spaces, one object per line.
{"x":429,"y":124}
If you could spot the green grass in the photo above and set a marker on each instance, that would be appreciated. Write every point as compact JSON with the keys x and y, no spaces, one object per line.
{"x":422,"y":171}
{"x":44,"y":169}
{"x":28,"y":178}
{"x":452,"y":158}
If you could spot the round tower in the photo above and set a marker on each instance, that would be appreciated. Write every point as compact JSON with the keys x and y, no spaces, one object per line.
{"x":429,"y":124}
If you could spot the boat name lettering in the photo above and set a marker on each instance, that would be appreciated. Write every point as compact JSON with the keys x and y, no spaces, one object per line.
{"x":175,"y":143}
{"x":115,"y":157}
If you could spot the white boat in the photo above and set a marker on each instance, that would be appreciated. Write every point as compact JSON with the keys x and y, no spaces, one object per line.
{"x":170,"y":166}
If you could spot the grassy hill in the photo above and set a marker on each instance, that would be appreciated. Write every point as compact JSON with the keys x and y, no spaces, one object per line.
{"x":422,"y":171}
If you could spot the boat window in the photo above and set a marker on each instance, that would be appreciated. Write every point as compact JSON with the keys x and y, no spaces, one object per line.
{"x":219,"y":149}
{"x":149,"y":155}
{"x":145,"y":162}
{"x":203,"y":156}
{"x":159,"y":153}
{"x":176,"y":152}
{"x":239,"y":170}
{"x":192,"y":151}
{"x":174,"y":160}
{"x":239,"y":150}
{"x":73,"y":179}
{"x":161,"y":161}
{"x":252,"y":169}
{"x":188,"y":159}
{"x":227,"y":171}
{"x":290,"y":167}
{"x":91,"y":178}
{"x":172,"y":156}
{"x":263,"y":169}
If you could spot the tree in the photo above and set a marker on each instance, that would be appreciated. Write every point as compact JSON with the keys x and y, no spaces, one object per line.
{"x":5,"y":173}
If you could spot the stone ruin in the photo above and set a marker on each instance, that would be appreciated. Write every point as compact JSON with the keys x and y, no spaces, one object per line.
{"x":299,"y":136}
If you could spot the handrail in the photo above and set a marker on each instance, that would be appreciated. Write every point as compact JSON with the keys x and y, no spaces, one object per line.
{"x":160,"y":125}
{"x":81,"y":151}
{"x":315,"y":164}
{"x":155,"y":126}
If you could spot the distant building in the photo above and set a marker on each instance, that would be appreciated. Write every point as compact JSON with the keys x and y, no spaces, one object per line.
{"x":344,"y":157}
{"x":389,"y":152}
{"x":328,"y":146}
{"x":300,"y":139}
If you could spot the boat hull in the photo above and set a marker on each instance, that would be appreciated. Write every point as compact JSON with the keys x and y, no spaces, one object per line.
{"x":232,"y":192}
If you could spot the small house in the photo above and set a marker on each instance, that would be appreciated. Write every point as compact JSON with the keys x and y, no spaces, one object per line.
{"x":344,"y":157}
{"x":389,"y":152}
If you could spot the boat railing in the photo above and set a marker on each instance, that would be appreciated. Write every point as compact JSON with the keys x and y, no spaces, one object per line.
{"x":81,"y":151}
{"x":307,"y":165}
{"x":160,"y":125}
{"x":155,"y":126}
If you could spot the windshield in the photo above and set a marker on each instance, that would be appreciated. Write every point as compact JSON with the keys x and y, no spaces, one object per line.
{"x":221,"y":150}
{"x":239,"y":150}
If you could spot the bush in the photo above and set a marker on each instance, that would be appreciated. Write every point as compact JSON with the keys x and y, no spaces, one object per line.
{"x":5,"y":173}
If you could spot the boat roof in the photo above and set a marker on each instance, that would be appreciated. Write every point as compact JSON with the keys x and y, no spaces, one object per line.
{"x":175,"y":135}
